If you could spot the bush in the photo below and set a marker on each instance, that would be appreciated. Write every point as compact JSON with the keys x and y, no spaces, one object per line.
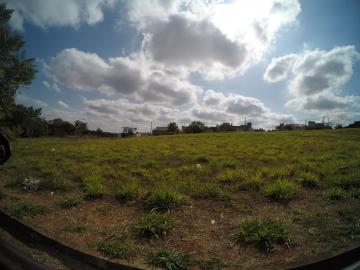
{"x":22,"y":209}
{"x":93,"y":186}
{"x":169,"y":259}
{"x":281,"y":190}
{"x":154,"y":224}
{"x":335,"y":194}
{"x":355,"y":194}
{"x":164,"y":199}
{"x":201,"y":159}
{"x":309,"y":180}
{"x":211,"y":264}
{"x":70,"y":201}
{"x":117,"y":249}
{"x":264,"y":233}
{"x":128,"y":191}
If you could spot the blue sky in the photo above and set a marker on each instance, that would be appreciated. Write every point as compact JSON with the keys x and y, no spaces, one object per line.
{"x":116,"y":63}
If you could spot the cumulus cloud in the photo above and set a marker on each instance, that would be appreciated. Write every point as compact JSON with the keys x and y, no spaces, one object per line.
{"x":318,"y":77}
{"x":57,"y":12}
{"x":63,"y":104}
{"x":52,"y":86}
{"x":214,"y":38}
{"x":279,"y":68}
{"x":126,"y":76}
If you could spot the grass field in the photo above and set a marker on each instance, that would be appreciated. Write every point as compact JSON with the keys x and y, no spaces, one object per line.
{"x":204,"y":201}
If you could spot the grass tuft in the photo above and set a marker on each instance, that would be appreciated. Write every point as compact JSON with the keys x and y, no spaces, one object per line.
{"x":117,"y":249}
{"x":164,"y":199}
{"x":128,"y":191}
{"x":169,"y":259}
{"x":25,"y":209}
{"x":335,"y":194}
{"x":154,"y":224}
{"x":264,"y":233}
{"x":70,"y":201}
{"x":94,"y":187}
{"x":281,"y":190}
{"x":309,"y":180}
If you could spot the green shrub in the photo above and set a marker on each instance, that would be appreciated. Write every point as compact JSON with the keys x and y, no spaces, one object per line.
{"x":154,"y":224}
{"x":264,"y":233}
{"x":309,"y":180}
{"x":335,"y":194}
{"x":70,"y":201}
{"x":128,"y":191}
{"x":25,"y":209}
{"x":281,"y":190}
{"x":229,"y":176}
{"x":169,"y":259}
{"x":163,"y":199}
{"x":117,"y":249}
{"x":15,"y":182}
{"x":94,"y":187}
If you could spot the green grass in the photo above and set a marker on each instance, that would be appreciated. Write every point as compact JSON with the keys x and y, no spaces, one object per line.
{"x":164,"y":198}
{"x":169,"y":259}
{"x":128,"y":191}
{"x":70,"y":201}
{"x":281,"y":190}
{"x":117,"y":249}
{"x":25,"y":209}
{"x":237,"y":169}
{"x":94,"y":188}
{"x":264,"y":233}
{"x":308,"y":179}
{"x":154,"y":224}
{"x":79,"y":227}
{"x":335,"y":194}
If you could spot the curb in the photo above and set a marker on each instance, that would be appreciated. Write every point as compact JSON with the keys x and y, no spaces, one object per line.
{"x":25,"y":232}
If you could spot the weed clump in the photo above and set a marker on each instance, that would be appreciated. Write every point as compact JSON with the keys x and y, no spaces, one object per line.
{"x":25,"y":209}
{"x":70,"y":201}
{"x":169,"y":259}
{"x":335,"y":194}
{"x":309,"y":180}
{"x":117,"y":249}
{"x":77,"y":227}
{"x":264,"y":233}
{"x":128,"y":191}
{"x":281,"y":190}
{"x":94,"y":187}
{"x":164,"y":199}
{"x":154,"y":224}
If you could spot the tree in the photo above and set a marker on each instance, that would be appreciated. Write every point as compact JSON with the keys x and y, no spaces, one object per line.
{"x":15,"y":70}
{"x":80,"y":127}
{"x":173,"y":127}
{"x":26,"y":122}
{"x":195,"y":127}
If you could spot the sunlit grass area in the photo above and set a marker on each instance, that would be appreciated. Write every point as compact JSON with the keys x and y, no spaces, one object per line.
{"x":240,"y":199}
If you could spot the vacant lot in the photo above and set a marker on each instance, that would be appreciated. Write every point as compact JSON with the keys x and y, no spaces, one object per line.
{"x":207,"y":201}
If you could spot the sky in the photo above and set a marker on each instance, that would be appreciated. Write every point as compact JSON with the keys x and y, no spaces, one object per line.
{"x":116,"y":63}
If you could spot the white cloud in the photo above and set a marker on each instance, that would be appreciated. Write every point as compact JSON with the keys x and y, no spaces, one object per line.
{"x":29,"y":101}
{"x":214,"y":38}
{"x":125,"y":76}
{"x":279,"y":68}
{"x":63,"y":104}
{"x":57,"y":12}
{"x":317,"y":79}
{"x":52,"y":86}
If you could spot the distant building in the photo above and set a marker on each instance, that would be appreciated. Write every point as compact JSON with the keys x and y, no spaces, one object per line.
{"x":128,"y":132}
{"x":246,"y":127}
{"x":161,"y":131}
{"x":314,"y":125}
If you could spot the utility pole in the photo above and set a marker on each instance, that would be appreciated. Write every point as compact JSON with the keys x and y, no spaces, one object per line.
{"x":151,"y":127}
